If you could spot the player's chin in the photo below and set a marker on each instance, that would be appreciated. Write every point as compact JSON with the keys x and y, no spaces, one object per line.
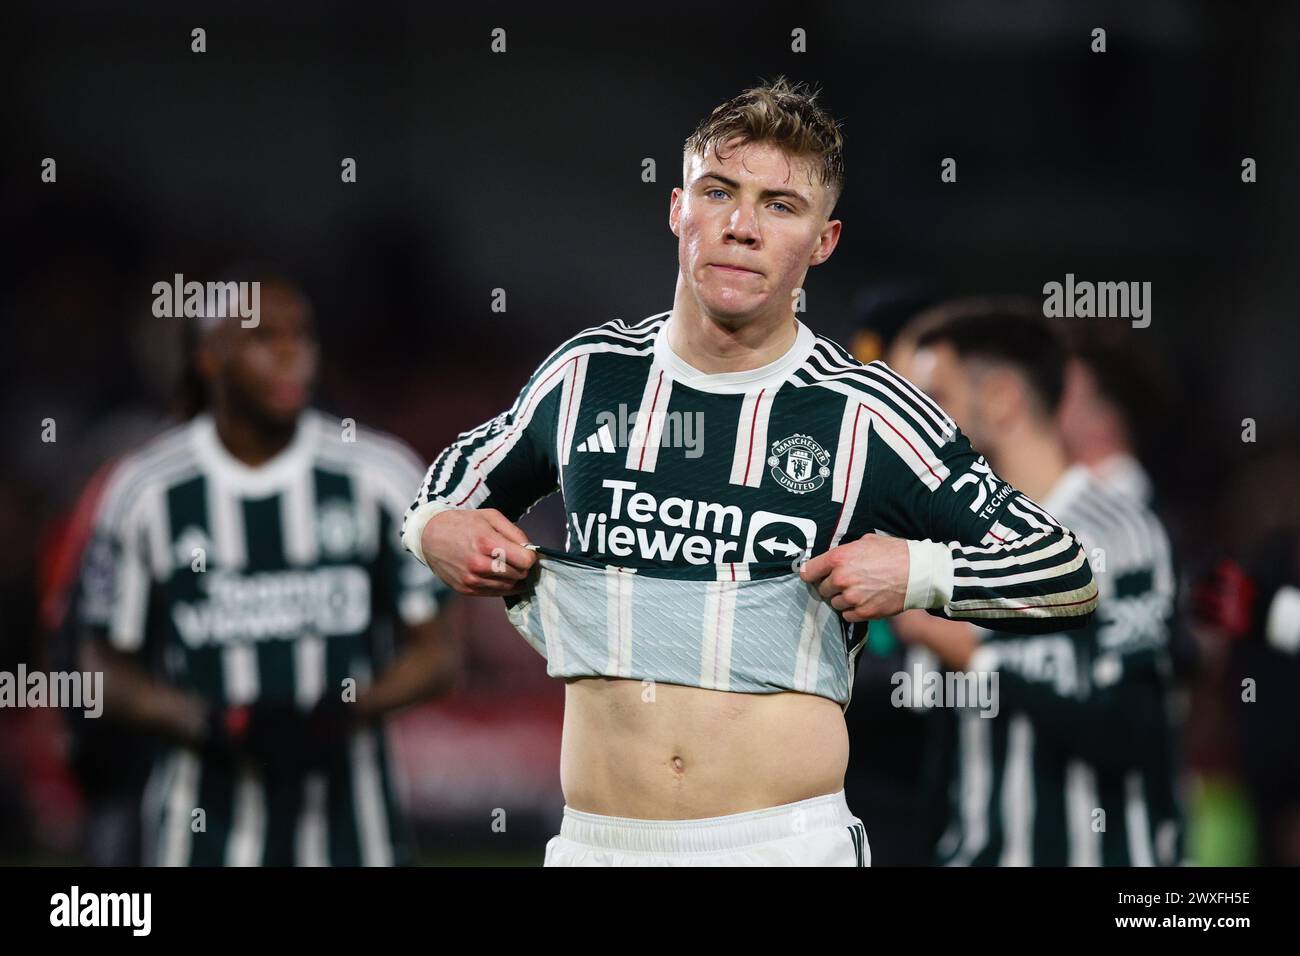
{"x":282,"y":412}
{"x":733,"y":306}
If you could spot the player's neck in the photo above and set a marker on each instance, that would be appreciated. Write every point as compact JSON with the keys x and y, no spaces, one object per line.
{"x":253,"y":443}
{"x":1031,"y":459}
{"x":714,"y":347}
{"x":1101,"y":447}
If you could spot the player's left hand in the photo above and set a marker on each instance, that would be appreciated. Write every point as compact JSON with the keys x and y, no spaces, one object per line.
{"x":953,"y":642}
{"x":328,"y":726}
{"x":864,"y":579}
{"x":279,"y":738}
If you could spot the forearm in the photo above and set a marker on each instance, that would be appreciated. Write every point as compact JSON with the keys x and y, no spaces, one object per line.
{"x":134,"y":696}
{"x":427,"y":666}
{"x":497,"y":466}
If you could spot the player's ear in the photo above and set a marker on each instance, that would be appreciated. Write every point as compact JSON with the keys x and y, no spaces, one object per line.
{"x":675,"y":209}
{"x":206,"y":359}
{"x":1003,"y":394}
{"x":828,"y":239}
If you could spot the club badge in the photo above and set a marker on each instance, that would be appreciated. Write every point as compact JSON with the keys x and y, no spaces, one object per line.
{"x":799,"y":464}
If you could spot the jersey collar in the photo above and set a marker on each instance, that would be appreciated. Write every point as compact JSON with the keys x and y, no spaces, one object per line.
{"x":734,"y":383}
{"x":268,"y":477}
{"x":1067,"y":488}
{"x":1124,"y":473}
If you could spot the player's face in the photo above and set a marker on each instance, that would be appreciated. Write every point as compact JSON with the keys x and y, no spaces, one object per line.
{"x":1081,"y":407}
{"x":749,"y":226}
{"x":939,"y":372}
{"x":267,"y":371}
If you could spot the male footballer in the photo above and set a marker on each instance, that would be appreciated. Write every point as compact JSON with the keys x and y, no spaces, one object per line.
{"x":706,"y":666}
{"x":242,"y":593}
{"x":1077,"y":765}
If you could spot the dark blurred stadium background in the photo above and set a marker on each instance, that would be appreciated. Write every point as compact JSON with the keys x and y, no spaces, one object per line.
{"x":522,"y":171}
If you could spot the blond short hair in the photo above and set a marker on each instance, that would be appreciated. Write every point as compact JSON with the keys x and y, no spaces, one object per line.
{"x":781,"y":114}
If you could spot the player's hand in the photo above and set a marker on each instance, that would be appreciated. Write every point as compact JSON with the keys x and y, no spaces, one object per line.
{"x":328,"y":726}
{"x":912,"y":627}
{"x":953,"y":642}
{"x":224,"y":729}
{"x":477,"y":552}
{"x":265,"y":733}
{"x":864,"y":579}
{"x":276,"y":737}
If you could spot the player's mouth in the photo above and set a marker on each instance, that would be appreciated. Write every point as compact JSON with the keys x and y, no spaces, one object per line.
{"x":738,"y":270}
{"x":287,"y":394}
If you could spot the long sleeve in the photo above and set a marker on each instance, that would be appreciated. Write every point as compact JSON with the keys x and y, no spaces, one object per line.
{"x":982,"y":551}
{"x":507,"y":463}
{"x":115,"y":578}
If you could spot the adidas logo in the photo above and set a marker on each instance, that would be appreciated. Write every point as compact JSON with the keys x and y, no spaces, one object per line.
{"x":600,"y":440}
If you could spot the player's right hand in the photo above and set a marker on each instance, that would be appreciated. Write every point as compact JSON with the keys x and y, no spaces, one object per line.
{"x":277,"y":737}
{"x":258,"y":732}
{"x":477,"y":552}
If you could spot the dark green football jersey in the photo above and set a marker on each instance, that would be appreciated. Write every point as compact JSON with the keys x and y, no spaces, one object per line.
{"x":663,"y":467}
{"x":1076,"y":765}
{"x":279,"y":582}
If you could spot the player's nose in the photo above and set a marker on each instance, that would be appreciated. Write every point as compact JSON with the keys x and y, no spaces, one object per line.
{"x":742,"y":226}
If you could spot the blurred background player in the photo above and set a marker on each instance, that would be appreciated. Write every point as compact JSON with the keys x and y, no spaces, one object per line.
{"x":1077,"y":765}
{"x":247,"y":597}
{"x":886,"y":759}
{"x":886,"y":762}
{"x":1112,"y":392}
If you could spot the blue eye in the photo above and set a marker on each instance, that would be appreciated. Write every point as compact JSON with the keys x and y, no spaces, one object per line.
{"x":783,"y":206}
{"x":715,"y":189}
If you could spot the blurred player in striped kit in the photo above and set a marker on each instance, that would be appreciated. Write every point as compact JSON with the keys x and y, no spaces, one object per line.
{"x":246,"y":595}
{"x":1076,"y":767}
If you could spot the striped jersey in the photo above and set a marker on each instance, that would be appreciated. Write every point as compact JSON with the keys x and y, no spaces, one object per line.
{"x":1076,"y":767}
{"x":277,"y":582}
{"x":663,"y":467}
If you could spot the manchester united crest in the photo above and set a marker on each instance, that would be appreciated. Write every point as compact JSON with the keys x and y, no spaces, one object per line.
{"x":799,"y":464}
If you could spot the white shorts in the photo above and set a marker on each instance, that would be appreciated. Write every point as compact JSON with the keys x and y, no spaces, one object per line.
{"x":817,"y":832}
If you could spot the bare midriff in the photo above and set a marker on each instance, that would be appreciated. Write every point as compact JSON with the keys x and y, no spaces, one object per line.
{"x":659,"y":751}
